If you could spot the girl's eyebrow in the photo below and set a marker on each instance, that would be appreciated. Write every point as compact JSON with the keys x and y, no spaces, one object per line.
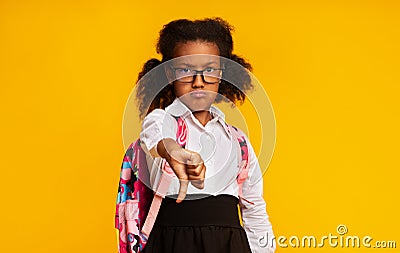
{"x":190,"y":65}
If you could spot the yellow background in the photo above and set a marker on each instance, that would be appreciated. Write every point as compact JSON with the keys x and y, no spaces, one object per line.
{"x":331,"y":70}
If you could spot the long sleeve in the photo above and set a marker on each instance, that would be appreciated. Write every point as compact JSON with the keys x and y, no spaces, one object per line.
{"x":156,"y":126}
{"x":255,"y":218}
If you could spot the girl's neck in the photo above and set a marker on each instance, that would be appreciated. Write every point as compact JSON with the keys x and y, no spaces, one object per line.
{"x":203,"y":116}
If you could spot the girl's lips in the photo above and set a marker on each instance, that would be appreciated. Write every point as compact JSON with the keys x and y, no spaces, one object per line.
{"x":198,"y":94}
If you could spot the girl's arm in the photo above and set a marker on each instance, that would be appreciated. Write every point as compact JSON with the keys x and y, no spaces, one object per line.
{"x":157,"y":125}
{"x":158,"y":136}
{"x":255,"y":218}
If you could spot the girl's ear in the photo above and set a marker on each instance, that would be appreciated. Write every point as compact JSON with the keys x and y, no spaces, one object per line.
{"x":169,"y":73}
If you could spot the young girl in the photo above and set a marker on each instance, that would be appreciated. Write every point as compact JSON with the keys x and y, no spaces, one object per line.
{"x":200,"y":210}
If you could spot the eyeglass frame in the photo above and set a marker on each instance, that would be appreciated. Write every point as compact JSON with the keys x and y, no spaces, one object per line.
{"x":201,"y":72}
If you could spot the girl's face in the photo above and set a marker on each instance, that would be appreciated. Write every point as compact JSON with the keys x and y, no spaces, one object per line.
{"x":197,"y":95}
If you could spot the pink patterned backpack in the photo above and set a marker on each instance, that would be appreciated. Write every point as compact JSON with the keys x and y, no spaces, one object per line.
{"x":137,"y":205}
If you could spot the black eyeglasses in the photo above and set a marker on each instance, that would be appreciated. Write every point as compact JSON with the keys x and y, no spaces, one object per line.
{"x":209,"y":75}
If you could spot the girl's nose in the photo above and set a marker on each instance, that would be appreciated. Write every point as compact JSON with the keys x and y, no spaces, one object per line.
{"x":198,"y":81}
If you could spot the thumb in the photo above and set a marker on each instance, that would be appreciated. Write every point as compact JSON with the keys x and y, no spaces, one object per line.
{"x":183,"y":181}
{"x":182,"y":190}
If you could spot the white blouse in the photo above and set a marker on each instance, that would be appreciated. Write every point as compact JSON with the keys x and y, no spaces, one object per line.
{"x":218,"y":149}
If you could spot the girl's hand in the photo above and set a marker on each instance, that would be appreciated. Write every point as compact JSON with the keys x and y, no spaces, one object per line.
{"x":187,"y":165}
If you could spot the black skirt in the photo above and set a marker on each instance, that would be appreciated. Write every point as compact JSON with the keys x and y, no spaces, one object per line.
{"x":201,"y":225}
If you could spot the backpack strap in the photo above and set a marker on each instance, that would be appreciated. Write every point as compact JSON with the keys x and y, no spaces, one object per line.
{"x":127,"y":213}
{"x":243,"y":158}
{"x":165,"y":180}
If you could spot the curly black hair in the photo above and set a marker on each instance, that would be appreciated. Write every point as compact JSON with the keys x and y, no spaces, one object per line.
{"x":213,"y":30}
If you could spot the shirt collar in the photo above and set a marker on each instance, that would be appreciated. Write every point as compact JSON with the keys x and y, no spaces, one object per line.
{"x":178,"y":108}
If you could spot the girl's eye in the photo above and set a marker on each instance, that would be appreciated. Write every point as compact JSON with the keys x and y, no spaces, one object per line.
{"x":183,"y":70}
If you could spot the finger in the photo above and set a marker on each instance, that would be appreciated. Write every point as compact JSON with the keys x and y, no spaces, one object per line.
{"x":195,"y":178}
{"x":195,"y":164}
{"x":202,"y":177}
{"x":194,"y":172}
{"x":194,"y":159}
{"x":199,"y":184}
{"x":197,"y":173}
{"x":182,"y":190}
{"x":198,"y":181}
